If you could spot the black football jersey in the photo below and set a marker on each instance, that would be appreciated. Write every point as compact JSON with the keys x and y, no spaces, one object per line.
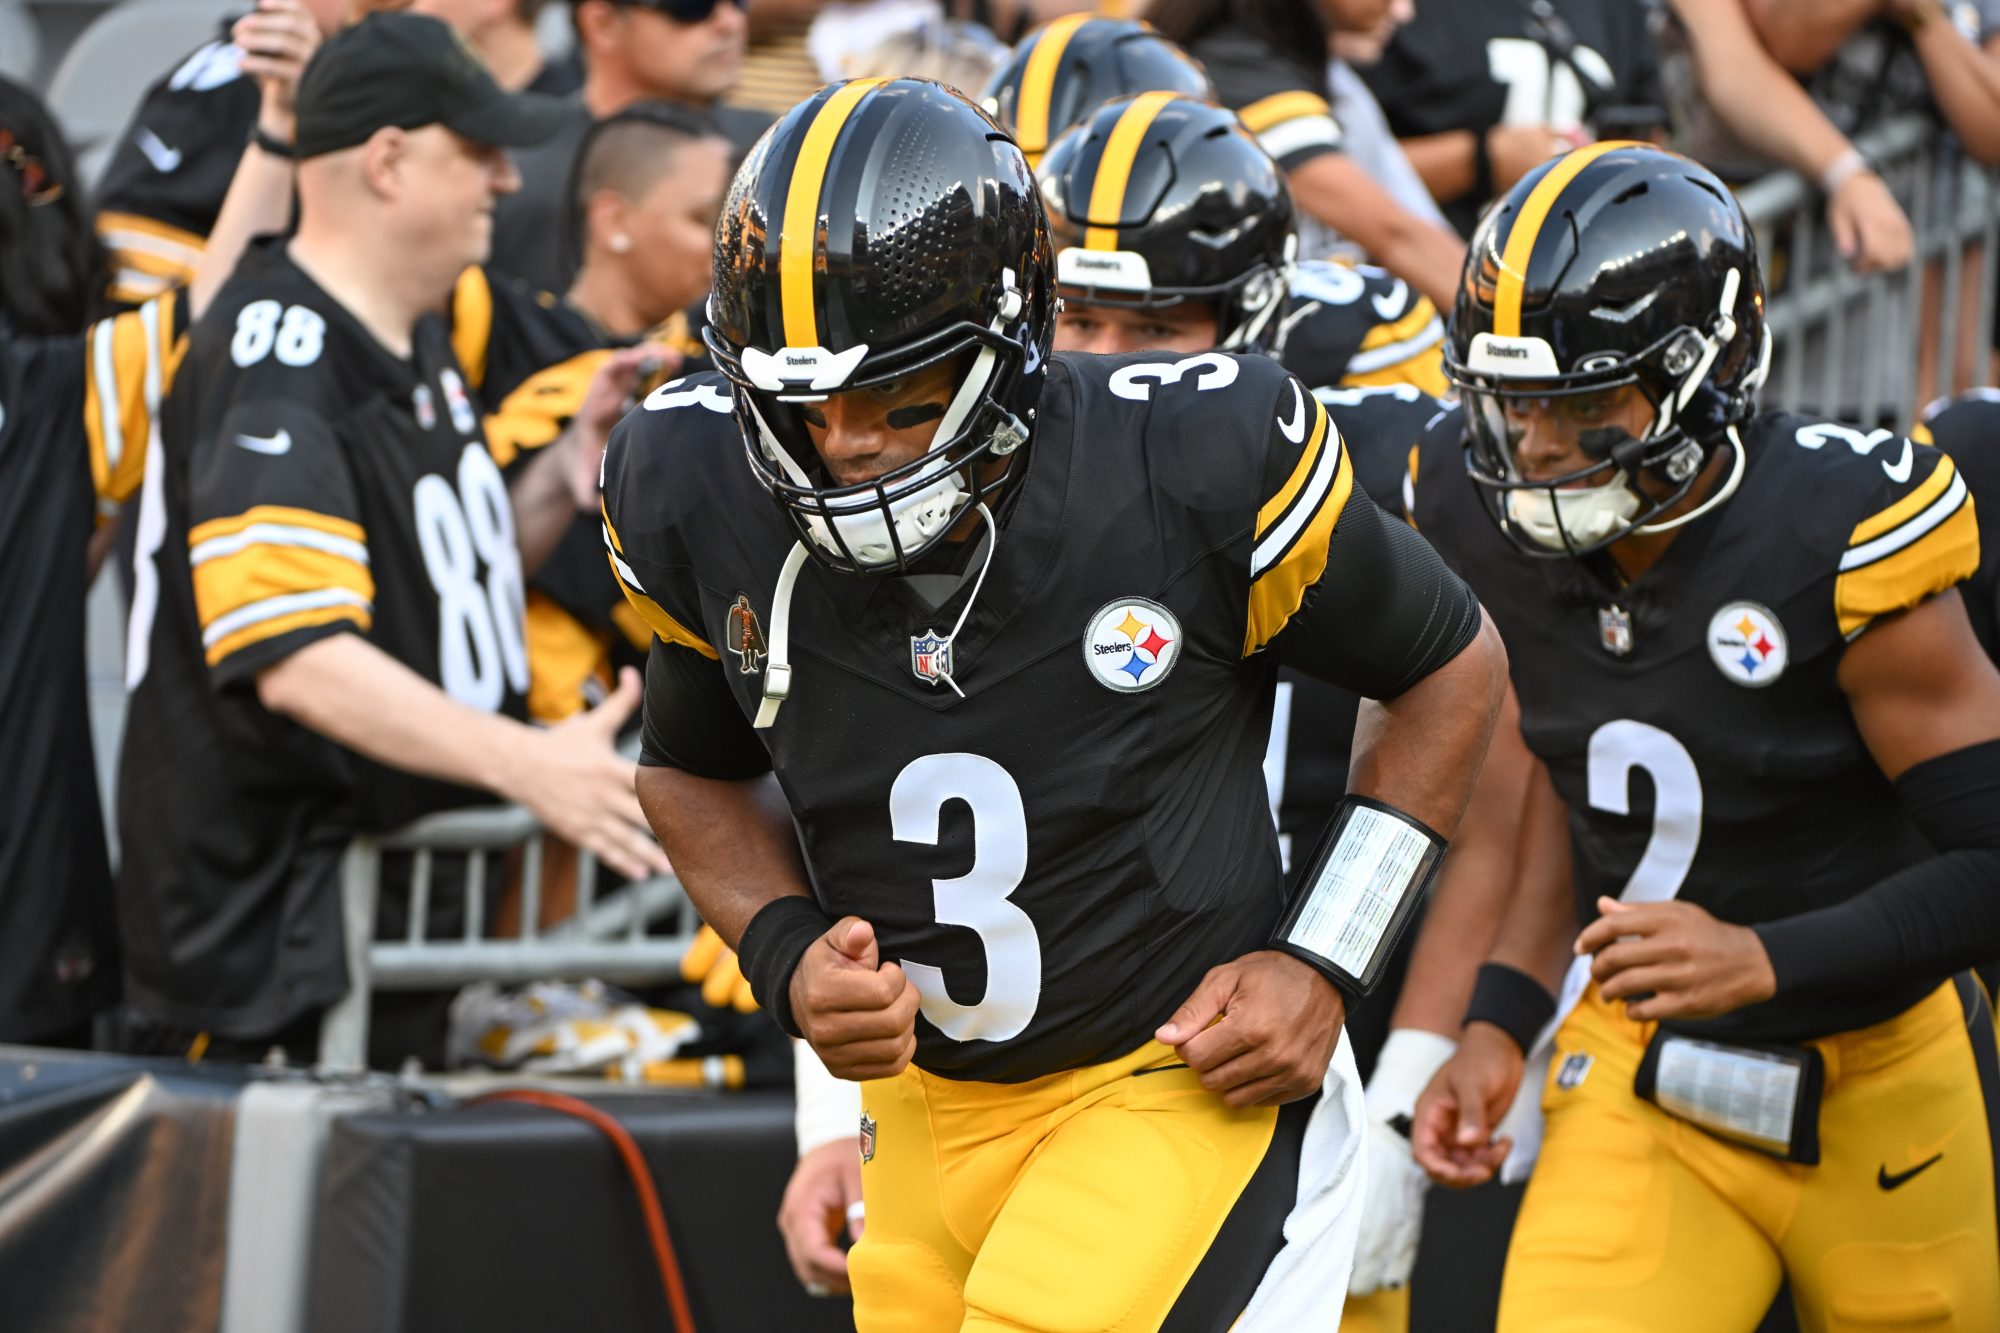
{"x":1692,"y":721}
{"x":1474,"y":64}
{"x":308,"y":483}
{"x":1058,"y":856}
{"x":167,"y":176}
{"x":1968,"y":428}
{"x":1280,"y":102}
{"x":1356,"y":326}
{"x":68,"y":406}
{"x":530,"y":359}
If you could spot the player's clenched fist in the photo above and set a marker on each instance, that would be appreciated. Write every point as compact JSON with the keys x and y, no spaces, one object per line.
{"x":1260,"y":1031}
{"x":859,"y":1013}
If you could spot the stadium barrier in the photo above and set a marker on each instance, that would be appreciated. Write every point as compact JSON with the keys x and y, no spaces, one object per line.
{"x":633,"y":935}
{"x":1852,"y":346}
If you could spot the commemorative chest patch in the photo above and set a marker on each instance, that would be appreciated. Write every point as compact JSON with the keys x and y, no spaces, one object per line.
{"x":1747,"y":644}
{"x":1131,"y":644}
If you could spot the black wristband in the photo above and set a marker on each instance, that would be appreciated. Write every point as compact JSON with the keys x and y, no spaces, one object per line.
{"x":1512,"y":1001}
{"x":1482,"y":167}
{"x":270,"y":143}
{"x":769,"y":952}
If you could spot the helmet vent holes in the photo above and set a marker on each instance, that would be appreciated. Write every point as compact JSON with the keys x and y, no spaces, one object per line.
{"x":1631,"y":192}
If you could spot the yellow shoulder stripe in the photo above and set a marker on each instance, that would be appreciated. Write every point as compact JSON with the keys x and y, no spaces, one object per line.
{"x":1909,"y":506}
{"x":1278,"y":108}
{"x":656,"y":616}
{"x":130,"y":362}
{"x":1276,"y":506}
{"x":285,"y":624}
{"x":261,"y":571}
{"x":1945,"y":555}
{"x":1291,"y":560}
{"x":285,"y":514}
{"x":472,"y":323}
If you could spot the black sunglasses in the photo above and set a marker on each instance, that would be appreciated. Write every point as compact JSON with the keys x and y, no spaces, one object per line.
{"x":683,"y":11}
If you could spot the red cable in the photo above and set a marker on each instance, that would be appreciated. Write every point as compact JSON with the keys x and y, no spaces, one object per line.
{"x":642,"y":1184}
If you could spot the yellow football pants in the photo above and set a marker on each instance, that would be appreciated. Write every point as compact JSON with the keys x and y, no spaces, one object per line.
{"x":1378,"y":1312}
{"x":1122,"y":1196}
{"x":1636,"y":1220}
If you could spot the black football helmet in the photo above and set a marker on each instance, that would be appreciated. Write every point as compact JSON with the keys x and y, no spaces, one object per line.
{"x":1158,"y":199}
{"x":1069,"y":67}
{"x":880,"y":227}
{"x":1616,"y":264}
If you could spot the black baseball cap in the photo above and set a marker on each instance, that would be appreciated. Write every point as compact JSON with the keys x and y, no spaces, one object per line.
{"x":411,"y":70}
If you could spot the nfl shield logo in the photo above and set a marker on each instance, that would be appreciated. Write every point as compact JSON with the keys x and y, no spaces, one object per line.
{"x":1575,"y":1068}
{"x":1614,"y":630}
{"x":930,"y":656}
{"x":867,"y":1137}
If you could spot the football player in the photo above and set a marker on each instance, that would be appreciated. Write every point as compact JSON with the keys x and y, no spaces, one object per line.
{"x":1007,"y":630}
{"x":1743,"y":659}
{"x":326,"y":625}
{"x":1967,"y":428}
{"x":1067,"y":68}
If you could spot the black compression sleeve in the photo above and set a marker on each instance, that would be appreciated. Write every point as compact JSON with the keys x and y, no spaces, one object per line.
{"x":692,"y":722}
{"x":1928,"y":920}
{"x":1385,"y":614}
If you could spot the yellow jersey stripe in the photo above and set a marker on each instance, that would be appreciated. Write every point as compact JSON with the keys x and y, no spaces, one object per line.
{"x":1413,"y":324}
{"x":536,"y":412}
{"x":1277,"y":594}
{"x":563,"y":656}
{"x":258,"y":572}
{"x":472,"y":323}
{"x":656,"y":616}
{"x":1527,"y":227}
{"x":1038,"y":82}
{"x":1114,"y":168}
{"x":1274,"y":508}
{"x":1278,"y":108}
{"x":285,"y":624}
{"x":1921,"y":433}
{"x":799,"y":236}
{"x":284,"y":514}
{"x":1947,"y":554}
{"x":113,"y":226}
{"x":1909,"y":506}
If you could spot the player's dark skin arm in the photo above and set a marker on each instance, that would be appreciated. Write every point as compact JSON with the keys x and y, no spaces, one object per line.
{"x":1261,"y":1030}
{"x":733,"y":845}
{"x":1452,"y":1131}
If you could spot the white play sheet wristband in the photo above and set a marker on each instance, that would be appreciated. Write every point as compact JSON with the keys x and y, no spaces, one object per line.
{"x":1366,"y":878}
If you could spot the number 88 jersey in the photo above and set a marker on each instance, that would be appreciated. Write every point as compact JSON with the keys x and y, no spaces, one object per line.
{"x":307,"y":483}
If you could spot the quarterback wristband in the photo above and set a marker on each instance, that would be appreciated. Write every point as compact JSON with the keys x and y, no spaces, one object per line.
{"x":1512,"y":1001}
{"x":772,"y":944}
{"x":1366,"y":877}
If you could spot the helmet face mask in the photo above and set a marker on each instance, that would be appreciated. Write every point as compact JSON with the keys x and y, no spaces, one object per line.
{"x":882,"y":228}
{"x":1620,"y":267}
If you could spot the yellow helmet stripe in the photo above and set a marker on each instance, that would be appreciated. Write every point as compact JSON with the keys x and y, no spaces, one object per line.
{"x":1114,"y":168}
{"x":1038,"y":83}
{"x":1528,"y":226}
{"x":800,"y":231}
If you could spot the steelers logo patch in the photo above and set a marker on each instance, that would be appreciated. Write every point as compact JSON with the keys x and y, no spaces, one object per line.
{"x":1132,"y":644}
{"x":1747,"y":643}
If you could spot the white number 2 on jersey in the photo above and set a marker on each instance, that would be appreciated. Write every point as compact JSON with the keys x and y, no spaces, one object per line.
{"x":1616,"y":748}
{"x":481,"y":651}
{"x":978,"y":899}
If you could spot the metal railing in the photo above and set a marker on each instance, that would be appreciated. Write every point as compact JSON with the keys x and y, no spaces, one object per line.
{"x":634,"y":935}
{"x":1847,"y":345}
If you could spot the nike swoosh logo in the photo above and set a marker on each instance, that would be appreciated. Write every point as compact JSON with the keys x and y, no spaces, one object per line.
{"x":163,"y":158}
{"x":1889,"y":1182}
{"x":1393,"y":302}
{"x":1899,"y":471}
{"x":1295,"y":429}
{"x":273,"y":445}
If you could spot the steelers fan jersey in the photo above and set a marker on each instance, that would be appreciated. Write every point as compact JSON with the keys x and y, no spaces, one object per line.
{"x":1692,"y":720}
{"x":1282,"y":103}
{"x":1058,"y":856}
{"x":1968,"y":428}
{"x":1475,"y":64}
{"x":68,"y":406}
{"x":1356,"y":326}
{"x":530,"y":359}
{"x":309,"y":483}
{"x":168,"y":174}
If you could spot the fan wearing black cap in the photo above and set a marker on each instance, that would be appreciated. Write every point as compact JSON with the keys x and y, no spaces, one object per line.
{"x":327,"y":611}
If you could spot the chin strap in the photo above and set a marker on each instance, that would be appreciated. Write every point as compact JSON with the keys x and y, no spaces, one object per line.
{"x":1723,"y":492}
{"x":778,"y":670}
